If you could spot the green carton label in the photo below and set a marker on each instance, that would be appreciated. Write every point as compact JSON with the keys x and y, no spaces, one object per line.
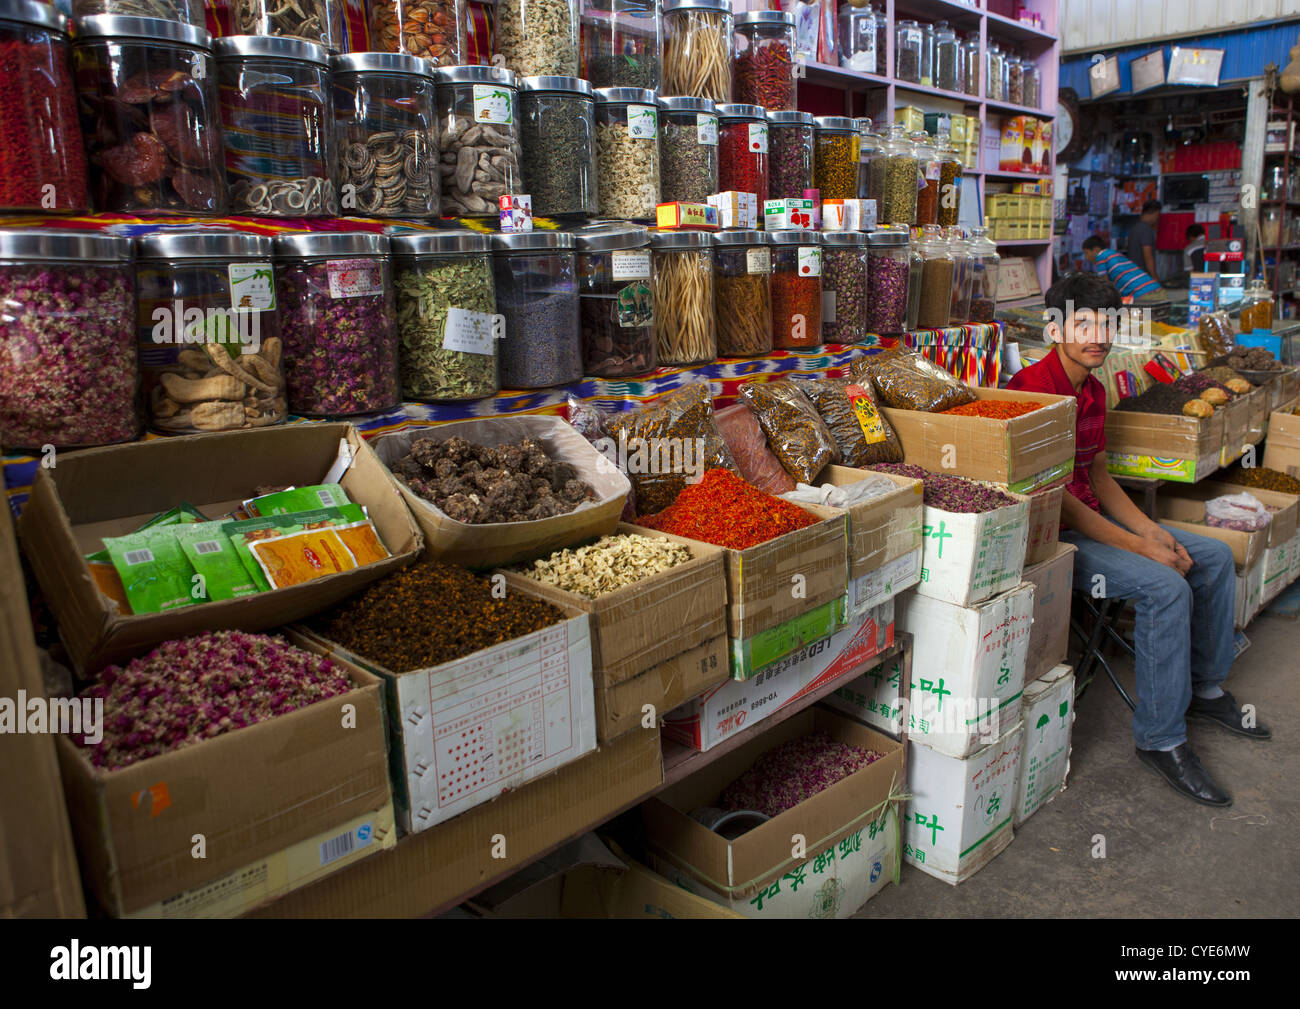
{"x":750,"y":655}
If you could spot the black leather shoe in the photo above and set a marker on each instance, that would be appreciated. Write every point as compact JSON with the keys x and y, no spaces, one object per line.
{"x":1185,"y":775}
{"x":1225,"y":711}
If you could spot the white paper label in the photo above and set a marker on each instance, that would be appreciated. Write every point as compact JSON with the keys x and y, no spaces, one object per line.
{"x":758,"y":138}
{"x":252,"y":286}
{"x":630,"y":264}
{"x":706,"y":129}
{"x":810,"y":261}
{"x":355,"y":278}
{"x":493,"y":104}
{"x":468,"y":332}
{"x":932,"y":170}
{"x":758,"y":261}
{"x":828,"y":307}
{"x":642,"y":122}
{"x":912,"y":37}
{"x":866,"y":215}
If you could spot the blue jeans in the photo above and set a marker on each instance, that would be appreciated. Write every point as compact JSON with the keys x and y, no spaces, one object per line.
{"x":1184,"y":630}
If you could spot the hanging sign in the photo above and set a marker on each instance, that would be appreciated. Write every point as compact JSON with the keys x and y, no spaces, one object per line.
{"x":1103,"y":75}
{"x":1148,"y":71}
{"x":1195,"y":66}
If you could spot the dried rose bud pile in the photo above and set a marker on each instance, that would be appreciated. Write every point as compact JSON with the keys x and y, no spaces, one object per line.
{"x":950,"y":493}
{"x":195,"y":688}
{"x":793,"y":772}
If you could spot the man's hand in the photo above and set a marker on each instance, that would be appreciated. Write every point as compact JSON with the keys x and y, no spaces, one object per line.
{"x":1163,"y":548}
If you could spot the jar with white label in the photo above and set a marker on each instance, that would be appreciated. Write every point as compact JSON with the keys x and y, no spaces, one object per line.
{"x":907,"y":47}
{"x":558,"y":118}
{"x":790,"y":161}
{"x":857,"y":24}
{"x":478,"y":121}
{"x":537,"y":294}
{"x":742,"y":292}
{"x":796,"y":289}
{"x":697,"y":49}
{"x":208,"y":326}
{"x":446,"y":315}
{"x":616,"y":301}
{"x":844,"y":286}
{"x":337,"y":314}
{"x":688,"y":149}
{"x":743,"y":150}
{"x":927,"y":166}
{"x":627,"y":153}
{"x":683,"y":270}
{"x":835,"y":158}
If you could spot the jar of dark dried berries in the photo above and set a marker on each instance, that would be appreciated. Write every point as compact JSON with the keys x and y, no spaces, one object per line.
{"x":148,"y":97}
{"x":887,"y":280}
{"x":790,"y":159}
{"x":537,"y":293}
{"x":743,"y":159}
{"x":42,"y":160}
{"x":835,"y":158}
{"x":557,"y":123}
{"x":616,"y":300}
{"x":688,"y":150}
{"x":796,"y":289}
{"x":844,"y":286}
{"x":764,"y":65}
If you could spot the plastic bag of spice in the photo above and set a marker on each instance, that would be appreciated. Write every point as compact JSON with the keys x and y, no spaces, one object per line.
{"x":1237,"y":511}
{"x":850,"y":411}
{"x":589,"y":422}
{"x":795,"y":431}
{"x":670,"y":442}
{"x":758,"y":465}
{"x":907,"y":381}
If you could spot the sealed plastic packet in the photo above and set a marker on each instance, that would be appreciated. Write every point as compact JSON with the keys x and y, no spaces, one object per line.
{"x":795,"y":432}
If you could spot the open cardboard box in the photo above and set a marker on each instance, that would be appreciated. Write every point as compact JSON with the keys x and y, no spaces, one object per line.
{"x":1282,"y":449}
{"x":1188,"y":513}
{"x":1236,"y":428}
{"x":1165,"y":446}
{"x":1044,"y":524}
{"x":882,"y":529}
{"x":969,"y":557}
{"x":109,"y":491}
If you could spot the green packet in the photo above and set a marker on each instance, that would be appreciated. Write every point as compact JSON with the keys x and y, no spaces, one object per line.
{"x":293,"y":522}
{"x":155,"y":573}
{"x":298,"y":499}
{"x":183,"y":514}
{"x":213,"y":556}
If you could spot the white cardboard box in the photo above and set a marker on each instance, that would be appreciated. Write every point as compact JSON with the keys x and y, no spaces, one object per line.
{"x":968,"y":558}
{"x":1250,"y":594}
{"x":874,"y":698}
{"x":1295,"y":557}
{"x":1045,"y":746}
{"x":959,"y":816}
{"x":724,"y":710}
{"x":887,"y":581}
{"x":1279,"y":570}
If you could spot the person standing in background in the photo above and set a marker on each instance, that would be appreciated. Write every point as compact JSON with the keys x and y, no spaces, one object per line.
{"x":1142,"y":239}
{"x":1194,"y":251}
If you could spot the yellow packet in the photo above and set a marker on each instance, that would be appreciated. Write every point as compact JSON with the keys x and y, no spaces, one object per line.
{"x":301,"y":556}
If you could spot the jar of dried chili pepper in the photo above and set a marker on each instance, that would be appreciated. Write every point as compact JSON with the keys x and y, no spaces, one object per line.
{"x":42,"y":160}
{"x":796,"y":289}
{"x":148,"y":97}
{"x":764,"y":65}
{"x":790,"y":167}
{"x":835,"y":158}
{"x":743,"y":150}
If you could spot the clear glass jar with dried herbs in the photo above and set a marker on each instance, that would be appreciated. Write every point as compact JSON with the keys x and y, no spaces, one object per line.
{"x":622,"y":42}
{"x":835,"y":158}
{"x":947,"y":53}
{"x":742,"y":278}
{"x":950,"y":171}
{"x":627,"y":153}
{"x":319,"y":22}
{"x":907,"y":51}
{"x":796,"y":289}
{"x":616,"y":294}
{"x":937,"y":272}
{"x":927,"y":170}
{"x":985,"y":268}
{"x":683,"y":271}
{"x":558,"y":132}
{"x":697,"y":49}
{"x":446,"y":312}
{"x":537,"y":293}
{"x":900,"y":178}
{"x":688,"y":150}
{"x":433,"y":30}
{"x":744,"y":159}
{"x":790,"y":158}
{"x":888,"y":272}
{"x":844,"y":286}
{"x":537,"y":37}
{"x":914,"y":263}
{"x":764,"y":71}
{"x":479,"y":139}
{"x":962,"y":276}
{"x":870,"y":148}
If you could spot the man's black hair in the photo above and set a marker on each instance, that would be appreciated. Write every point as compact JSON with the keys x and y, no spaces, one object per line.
{"x":1150,"y":205}
{"x":1195,"y":231}
{"x":1082,"y":290}
{"x":1093,"y":242}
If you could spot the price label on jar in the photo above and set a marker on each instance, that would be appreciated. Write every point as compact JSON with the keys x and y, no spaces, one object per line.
{"x":493,"y":105}
{"x":758,"y":261}
{"x":642,"y":122}
{"x":932,"y":170}
{"x":706,"y":129}
{"x":758,"y":138}
{"x":912,"y":37}
{"x":252,"y":287}
{"x":355,"y":278}
{"x":468,"y":332}
{"x":630,"y":264}
{"x":810,"y":261}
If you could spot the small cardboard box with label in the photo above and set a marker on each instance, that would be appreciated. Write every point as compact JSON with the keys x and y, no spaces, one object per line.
{"x":1282,"y":449}
{"x":1048,"y":715}
{"x":1049,"y":636}
{"x":1249,"y":598}
{"x":966,"y":558}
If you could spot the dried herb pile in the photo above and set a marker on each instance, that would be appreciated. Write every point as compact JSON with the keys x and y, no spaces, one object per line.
{"x":794,"y":772}
{"x":1160,"y":398}
{"x":950,"y":493}
{"x":609,"y":564}
{"x":724,"y":510}
{"x":995,"y":408}
{"x":1261,"y":478}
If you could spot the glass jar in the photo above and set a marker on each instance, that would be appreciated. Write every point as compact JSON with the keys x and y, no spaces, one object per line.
{"x":433,"y":30}
{"x":387,"y":135}
{"x":937,"y":274}
{"x":338,"y":317}
{"x":950,"y":170}
{"x":961,"y":65}
{"x":927,"y":168}
{"x":1015,"y":80}
{"x":277,"y":126}
{"x":537,"y":292}
{"x":790,"y":159}
{"x":914,"y":263}
{"x":882,"y":40}
{"x":616,"y":301}
{"x":743,"y":150}
{"x":900,"y":179}
{"x":947,"y":57}
{"x":226,"y":280}
{"x":1033,"y":84}
{"x":688,"y":150}
{"x":908,"y":39}
{"x":887,"y":280}
{"x":476,"y":109}
{"x":68,"y":371}
{"x":1257,"y":307}
{"x":971,"y":52}
{"x":764,"y":67}
{"x":627,"y":153}
{"x":697,"y":49}
{"x":537,"y":37}
{"x":844,"y":287}
{"x":742,"y":292}
{"x":927,"y":55}
{"x":870,"y":148}
{"x":186,"y":12}
{"x":996,"y":92}
{"x":446,"y":307}
{"x":319,"y":22}
{"x":796,"y":289}
{"x":835,"y":158}
{"x":985,"y":266}
{"x":558,"y":134}
{"x":1275,"y":184}
{"x":962,"y":275}
{"x":621,"y":43}
{"x":129,"y":72}
{"x":683,"y":272}
{"x":857,"y":24}
{"x":45,"y":162}
{"x":1270,"y":227}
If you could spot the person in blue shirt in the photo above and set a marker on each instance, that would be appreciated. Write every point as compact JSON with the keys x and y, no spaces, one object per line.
{"x":1123,"y":272}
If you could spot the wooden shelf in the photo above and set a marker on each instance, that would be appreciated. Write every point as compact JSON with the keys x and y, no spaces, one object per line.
{"x":1018,"y":176}
{"x":921,"y":89}
{"x":1018,"y":110}
{"x":1010,"y":28}
{"x":1012,"y":242}
{"x":825,"y":73}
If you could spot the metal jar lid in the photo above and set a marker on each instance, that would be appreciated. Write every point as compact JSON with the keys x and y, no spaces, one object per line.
{"x":851,"y":238}
{"x":742,"y":112}
{"x":610,"y":237}
{"x":380,"y":63}
{"x":522,"y":241}
{"x":836,"y":123}
{"x":737,"y":236}
{"x":765,"y":18}
{"x":425,"y":243}
{"x":61,"y":246}
{"x":499,"y":76}
{"x":332,"y":243}
{"x":565,"y":85}
{"x":887,"y":237}
{"x":680,"y":239}
{"x":679,"y":103}
{"x":154,"y":29}
{"x":796,"y":237}
{"x":203,"y":244}
{"x":234,"y":47}
{"x":630,"y":96}
{"x":29,"y":12}
{"x":788,"y":117}
{"x":671,"y":6}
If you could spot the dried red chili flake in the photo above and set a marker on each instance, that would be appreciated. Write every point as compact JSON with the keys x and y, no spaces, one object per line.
{"x":765,"y":76}
{"x":741,"y":168}
{"x":40,"y":136}
{"x":997,"y":409}
{"x":794,"y":772}
{"x":724,"y":510}
{"x":795,"y":296}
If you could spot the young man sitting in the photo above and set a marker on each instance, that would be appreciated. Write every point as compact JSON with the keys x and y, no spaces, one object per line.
{"x":1182,"y":584}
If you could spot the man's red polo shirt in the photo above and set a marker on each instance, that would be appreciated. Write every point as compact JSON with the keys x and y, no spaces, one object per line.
{"x":1049,"y":376}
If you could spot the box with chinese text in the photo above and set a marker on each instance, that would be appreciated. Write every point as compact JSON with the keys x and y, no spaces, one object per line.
{"x":1049,"y":635}
{"x":967,"y":558}
{"x":1045,"y":746}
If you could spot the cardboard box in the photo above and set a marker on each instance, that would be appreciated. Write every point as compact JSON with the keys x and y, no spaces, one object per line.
{"x":1045,"y":746}
{"x":1249,"y":599}
{"x":1282,"y":448}
{"x":1025,"y":453}
{"x":849,"y":832}
{"x":886,"y":582}
{"x":1276,"y":574}
{"x":109,"y":491}
{"x":634,"y":892}
{"x":1016,"y":144}
{"x":497,"y":544}
{"x":876,"y":697}
{"x":967,"y":558}
{"x":968,"y":668}
{"x":959,"y":817}
{"x":1178,"y":448}
{"x":622,"y":708}
{"x":1295,"y":558}
{"x":250,"y":793}
{"x":1186,"y":510}
{"x":686,"y":217}
{"x":882,"y":529}
{"x":430,"y":871}
{"x":1258,"y":400}
{"x":753,"y":653}
{"x":1049,"y":636}
{"x":1236,"y":429}
{"x":1044,"y":524}
{"x":468,"y":730}
{"x":911,"y":116}
{"x":720,"y":712}
{"x":735,"y":209}
{"x":38,"y":873}
{"x":1284,"y":509}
